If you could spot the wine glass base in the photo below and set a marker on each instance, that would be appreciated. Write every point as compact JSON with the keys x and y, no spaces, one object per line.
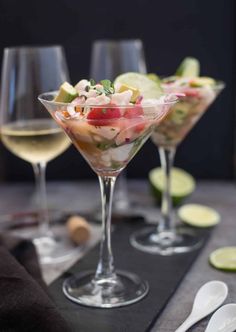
{"x":123,"y":289}
{"x":57,"y":247}
{"x":166,"y":244}
{"x":54,"y":247}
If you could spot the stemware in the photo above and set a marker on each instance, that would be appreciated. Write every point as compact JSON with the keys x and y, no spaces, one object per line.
{"x":107,"y":146}
{"x":110,"y":58}
{"x":30,"y":133}
{"x":166,"y":238}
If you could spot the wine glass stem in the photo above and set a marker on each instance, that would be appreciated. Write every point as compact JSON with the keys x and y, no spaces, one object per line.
{"x":166,"y":224}
{"x":39,"y":171}
{"x":105,"y":268}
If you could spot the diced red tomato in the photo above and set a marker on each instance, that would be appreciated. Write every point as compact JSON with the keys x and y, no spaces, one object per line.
{"x":133,"y":112}
{"x":136,"y":113}
{"x":103,"y":116}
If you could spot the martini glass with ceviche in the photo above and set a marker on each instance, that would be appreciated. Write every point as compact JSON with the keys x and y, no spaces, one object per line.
{"x":196,"y":93}
{"x":108,"y":124}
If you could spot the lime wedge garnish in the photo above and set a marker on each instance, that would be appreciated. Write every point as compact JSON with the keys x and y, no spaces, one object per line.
{"x":154,"y":77}
{"x":66,"y":94}
{"x":202,"y":81}
{"x":189,"y":67}
{"x":147,"y":87}
{"x":182,"y":184}
{"x":224,"y":258}
{"x":198,"y":215}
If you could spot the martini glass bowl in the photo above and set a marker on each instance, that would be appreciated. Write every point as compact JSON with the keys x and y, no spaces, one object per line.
{"x":107,"y":145}
{"x":166,"y":238}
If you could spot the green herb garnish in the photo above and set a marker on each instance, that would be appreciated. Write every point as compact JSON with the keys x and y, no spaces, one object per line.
{"x":108,"y":87}
{"x":106,"y":84}
{"x":115,"y":164}
{"x":92,"y":82}
{"x":103,"y":145}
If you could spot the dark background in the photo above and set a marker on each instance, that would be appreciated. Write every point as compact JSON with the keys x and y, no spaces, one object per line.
{"x":170,"y":30}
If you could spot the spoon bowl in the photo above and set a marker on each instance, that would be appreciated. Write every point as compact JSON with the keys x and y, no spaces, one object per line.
{"x":208,"y":298}
{"x":223,"y":320}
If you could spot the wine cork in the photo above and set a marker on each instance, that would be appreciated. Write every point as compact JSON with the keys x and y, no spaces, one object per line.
{"x":78,"y":229}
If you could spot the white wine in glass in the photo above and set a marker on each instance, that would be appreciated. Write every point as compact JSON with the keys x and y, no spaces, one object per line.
{"x":28,"y":131}
{"x":36,"y":141}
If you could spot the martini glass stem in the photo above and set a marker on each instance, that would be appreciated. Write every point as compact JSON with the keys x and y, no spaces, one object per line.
{"x":121,"y":197}
{"x":105,"y":268}
{"x":166,"y":226}
{"x":40,"y":172}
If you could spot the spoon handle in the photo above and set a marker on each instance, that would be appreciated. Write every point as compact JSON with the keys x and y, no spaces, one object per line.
{"x":186,"y":324}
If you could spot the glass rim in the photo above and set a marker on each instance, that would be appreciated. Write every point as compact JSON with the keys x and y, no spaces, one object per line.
{"x":218,"y":85}
{"x":32,"y":47}
{"x":158,"y":103}
{"x":119,"y":40}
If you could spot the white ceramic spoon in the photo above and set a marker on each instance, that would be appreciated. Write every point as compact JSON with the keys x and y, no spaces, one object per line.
{"x":223,"y":320}
{"x":208,"y":298}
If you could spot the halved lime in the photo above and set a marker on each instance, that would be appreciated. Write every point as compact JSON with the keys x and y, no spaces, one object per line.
{"x":182,"y":184}
{"x":147,"y":87}
{"x":198,"y":215}
{"x":189,"y":67}
{"x":224,"y":258}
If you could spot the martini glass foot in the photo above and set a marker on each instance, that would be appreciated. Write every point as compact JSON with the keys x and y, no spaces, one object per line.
{"x":165,"y":243}
{"x":119,"y":290}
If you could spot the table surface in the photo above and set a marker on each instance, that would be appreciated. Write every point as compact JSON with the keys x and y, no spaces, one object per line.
{"x":76,"y":196}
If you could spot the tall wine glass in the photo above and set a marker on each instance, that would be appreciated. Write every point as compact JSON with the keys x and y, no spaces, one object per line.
{"x":29,"y":132}
{"x":109,"y":59}
{"x":107,"y":145}
{"x":166,"y":238}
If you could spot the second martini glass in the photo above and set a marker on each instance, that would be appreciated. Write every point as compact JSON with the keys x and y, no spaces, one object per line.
{"x":166,"y":239}
{"x":107,"y":145}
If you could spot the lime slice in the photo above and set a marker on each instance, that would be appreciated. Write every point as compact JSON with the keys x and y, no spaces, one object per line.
{"x":202,"y":81}
{"x":66,"y":93}
{"x":154,"y":77}
{"x":189,"y":67}
{"x":224,"y":258}
{"x":182,"y":184}
{"x":148,"y":88}
{"x":198,"y":215}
